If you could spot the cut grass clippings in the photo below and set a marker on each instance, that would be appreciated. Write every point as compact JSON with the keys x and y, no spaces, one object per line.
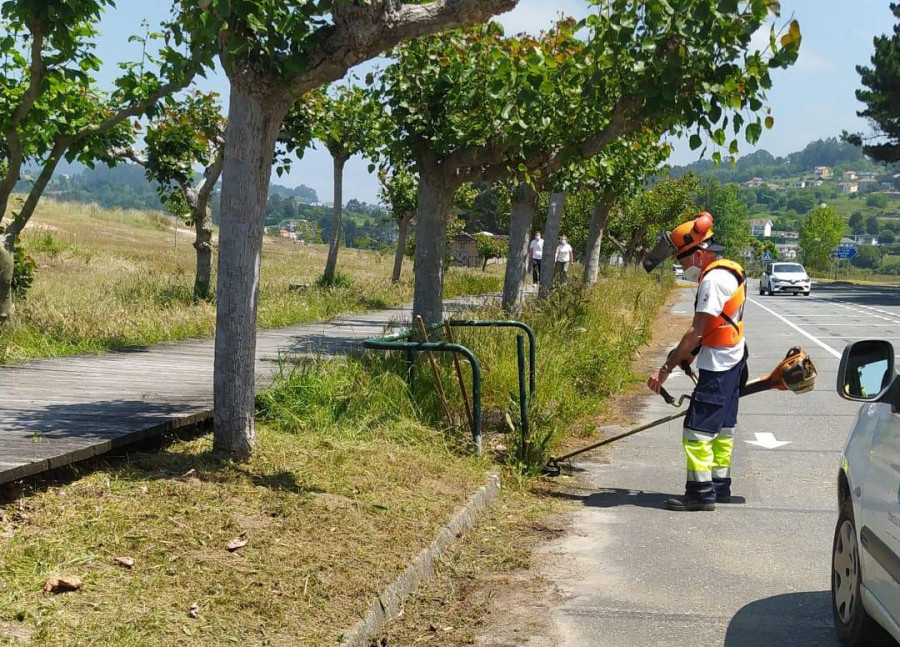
{"x":109,"y":279}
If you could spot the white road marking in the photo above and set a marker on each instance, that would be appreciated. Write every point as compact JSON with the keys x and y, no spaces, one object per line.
{"x":767,"y":440}
{"x":800,"y":330}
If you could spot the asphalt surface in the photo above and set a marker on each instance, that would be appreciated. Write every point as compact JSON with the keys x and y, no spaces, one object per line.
{"x":755,"y":573}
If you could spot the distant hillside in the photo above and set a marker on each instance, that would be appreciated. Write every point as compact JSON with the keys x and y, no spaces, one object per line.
{"x":125,"y":186}
{"x":785,"y":189}
{"x":830,"y":152}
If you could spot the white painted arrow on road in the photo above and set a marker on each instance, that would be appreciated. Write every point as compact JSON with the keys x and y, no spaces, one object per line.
{"x":767,"y":441}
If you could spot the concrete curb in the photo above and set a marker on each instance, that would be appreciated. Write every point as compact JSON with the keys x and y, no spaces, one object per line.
{"x":386,"y":605}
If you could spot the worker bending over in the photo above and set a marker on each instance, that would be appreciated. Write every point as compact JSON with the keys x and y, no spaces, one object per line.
{"x":716,"y":338}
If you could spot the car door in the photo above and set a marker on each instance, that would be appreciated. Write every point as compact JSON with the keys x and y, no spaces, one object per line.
{"x":880,"y":503}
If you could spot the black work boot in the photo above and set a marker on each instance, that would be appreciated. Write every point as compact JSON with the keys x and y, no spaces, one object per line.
{"x":682,"y":504}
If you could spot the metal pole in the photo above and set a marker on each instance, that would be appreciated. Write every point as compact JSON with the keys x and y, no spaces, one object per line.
{"x":523,"y":395}
{"x":459,"y":376}
{"x":437,"y":372}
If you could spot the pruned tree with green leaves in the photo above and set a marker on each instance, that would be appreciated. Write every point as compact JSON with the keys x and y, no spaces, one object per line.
{"x":660,"y":207}
{"x":187,"y":133}
{"x":50,"y":105}
{"x":730,"y":215}
{"x":490,"y":247}
{"x":881,"y":83}
{"x":820,"y":234}
{"x":613,"y":177}
{"x":398,"y":191}
{"x":857,"y":223}
{"x":274,"y":53}
{"x":347,"y":121}
{"x":481,"y":107}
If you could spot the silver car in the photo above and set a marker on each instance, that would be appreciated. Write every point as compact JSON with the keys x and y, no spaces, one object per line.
{"x":784,"y":278}
{"x":865,"y":563}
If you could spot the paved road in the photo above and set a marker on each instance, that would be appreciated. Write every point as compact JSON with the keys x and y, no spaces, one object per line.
{"x":750,"y":574}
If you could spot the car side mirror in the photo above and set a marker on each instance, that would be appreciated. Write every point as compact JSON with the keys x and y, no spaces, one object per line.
{"x":867,"y":371}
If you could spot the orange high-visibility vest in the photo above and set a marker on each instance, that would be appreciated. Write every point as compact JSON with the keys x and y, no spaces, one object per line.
{"x":728,"y":328}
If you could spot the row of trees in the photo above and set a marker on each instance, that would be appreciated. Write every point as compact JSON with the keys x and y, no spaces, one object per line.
{"x":579,"y":110}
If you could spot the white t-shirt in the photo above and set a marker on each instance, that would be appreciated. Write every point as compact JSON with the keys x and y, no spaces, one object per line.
{"x":714,"y":291}
{"x":537,"y":248}
{"x":564,"y":253}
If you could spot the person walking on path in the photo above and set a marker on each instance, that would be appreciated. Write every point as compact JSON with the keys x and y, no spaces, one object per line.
{"x":535,"y":254}
{"x":564,"y":256}
{"x":716,"y":338}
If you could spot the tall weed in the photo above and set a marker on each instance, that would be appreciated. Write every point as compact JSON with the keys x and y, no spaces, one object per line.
{"x":586,"y":343}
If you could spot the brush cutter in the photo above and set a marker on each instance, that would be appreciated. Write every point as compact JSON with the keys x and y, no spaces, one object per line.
{"x":796,"y":372}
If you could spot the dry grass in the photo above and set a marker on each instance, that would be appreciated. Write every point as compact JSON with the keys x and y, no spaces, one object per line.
{"x":111,"y":278}
{"x":329,"y":520}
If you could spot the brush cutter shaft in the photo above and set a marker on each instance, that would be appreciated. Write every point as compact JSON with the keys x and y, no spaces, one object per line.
{"x":755,"y":386}
{"x":636,"y":430}
{"x":796,"y":372}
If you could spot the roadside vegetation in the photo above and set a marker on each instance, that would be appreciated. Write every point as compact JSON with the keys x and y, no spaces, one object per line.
{"x":108,"y":279}
{"x":351,"y":478}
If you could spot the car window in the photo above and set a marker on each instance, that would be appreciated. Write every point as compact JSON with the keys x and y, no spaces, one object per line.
{"x":790,"y":268}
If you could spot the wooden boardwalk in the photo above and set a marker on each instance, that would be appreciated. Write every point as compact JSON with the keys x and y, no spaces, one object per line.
{"x":58,"y":411}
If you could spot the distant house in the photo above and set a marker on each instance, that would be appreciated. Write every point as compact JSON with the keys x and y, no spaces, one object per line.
{"x":887,"y":186}
{"x":754,"y":181}
{"x":867,"y":184}
{"x":848,"y":187}
{"x":893,"y":195}
{"x":787,"y":235}
{"x":761,"y":228}
{"x":464,"y":250}
{"x":787,"y":251}
{"x":820,"y":182}
{"x":849,"y":176}
{"x":865,"y":239}
{"x":800,"y":184}
{"x":823,"y":172}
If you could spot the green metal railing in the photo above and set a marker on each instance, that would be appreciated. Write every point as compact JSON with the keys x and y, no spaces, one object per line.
{"x":401,"y":341}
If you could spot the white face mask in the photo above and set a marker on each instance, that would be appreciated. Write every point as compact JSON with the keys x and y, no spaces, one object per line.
{"x":692,"y":274}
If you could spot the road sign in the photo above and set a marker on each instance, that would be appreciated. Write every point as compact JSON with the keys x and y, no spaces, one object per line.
{"x":767,"y":257}
{"x":846,"y":252}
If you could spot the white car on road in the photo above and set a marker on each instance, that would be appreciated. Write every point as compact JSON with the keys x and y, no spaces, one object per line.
{"x":865,"y":576}
{"x":784,"y":278}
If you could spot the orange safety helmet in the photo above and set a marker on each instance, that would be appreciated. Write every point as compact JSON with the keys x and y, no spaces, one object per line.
{"x":683,"y":241}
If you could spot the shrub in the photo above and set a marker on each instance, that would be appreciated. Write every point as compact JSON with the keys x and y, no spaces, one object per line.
{"x":24,"y":269}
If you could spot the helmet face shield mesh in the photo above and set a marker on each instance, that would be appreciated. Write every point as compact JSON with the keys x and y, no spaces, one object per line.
{"x":658,"y":254}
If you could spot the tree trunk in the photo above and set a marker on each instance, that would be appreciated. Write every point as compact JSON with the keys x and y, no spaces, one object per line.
{"x":401,"y":246}
{"x":253,"y":125}
{"x":21,"y":218}
{"x":435,"y":198}
{"x":599,"y":218}
{"x":551,"y":241}
{"x":203,"y":245}
{"x":521,"y":218}
{"x":336,"y":232}
{"x":7,"y":305}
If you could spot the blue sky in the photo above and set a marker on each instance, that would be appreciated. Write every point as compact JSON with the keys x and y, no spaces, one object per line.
{"x":811,"y":100}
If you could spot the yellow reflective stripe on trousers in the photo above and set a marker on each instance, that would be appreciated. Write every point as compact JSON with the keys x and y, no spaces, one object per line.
{"x":722,"y":447}
{"x":699,"y":455}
